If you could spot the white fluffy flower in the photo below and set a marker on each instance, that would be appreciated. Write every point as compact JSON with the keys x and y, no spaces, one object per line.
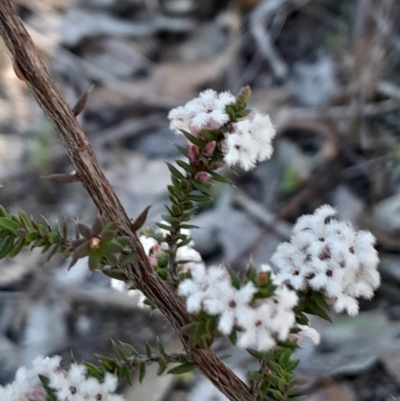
{"x":249,"y":142}
{"x":329,"y":256}
{"x":207,"y":111}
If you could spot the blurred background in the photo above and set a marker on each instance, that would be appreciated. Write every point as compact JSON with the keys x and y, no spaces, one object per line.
{"x":328,"y":73}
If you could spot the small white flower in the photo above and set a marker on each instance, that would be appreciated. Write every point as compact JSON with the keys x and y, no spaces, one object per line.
{"x":179,"y":120}
{"x":240,"y":150}
{"x":310,"y":332}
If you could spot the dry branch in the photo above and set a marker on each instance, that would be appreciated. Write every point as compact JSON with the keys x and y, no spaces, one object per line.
{"x":28,"y":63}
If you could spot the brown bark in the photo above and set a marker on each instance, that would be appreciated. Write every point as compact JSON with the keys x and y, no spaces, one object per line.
{"x":32,"y":70}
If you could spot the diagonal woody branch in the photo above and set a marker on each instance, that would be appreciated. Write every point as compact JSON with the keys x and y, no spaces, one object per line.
{"x":31,"y":68}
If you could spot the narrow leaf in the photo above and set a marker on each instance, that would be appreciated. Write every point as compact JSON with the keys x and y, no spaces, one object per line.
{"x":220,"y":178}
{"x":192,"y":139}
{"x":10,"y":225}
{"x":184,"y":368}
{"x":139,"y":222}
{"x":81,"y":103}
{"x":174,"y":171}
{"x":142,"y":372}
{"x":6,"y":246}
{"x":186,"y":166}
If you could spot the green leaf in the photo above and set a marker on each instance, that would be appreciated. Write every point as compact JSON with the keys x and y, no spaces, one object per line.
{"x":148,"y":351}
{"x":111,"y":227}
{"x":242,"y":113}
{"x":174,"y":171}
{"x":45,"y":248}
{"x":211,"y":136}
{"x":128,"y":349}
{"x":53,"y":251}
{"x":188,"y":226}
{"x":65,"y":230}
{"x":253,"y":352}
{"x":200,"y":198}
{"x":170,"y":219}
{"x":52,"y":236}
{"x":10,"y":225}
{"x":126,"y":373}
{"x":186,"y":166}
{"x":184,"y":368}
{"x":174,"y":192}
{"x":94,"y":261}
{"x":160,"y":347}
{"x":23,"y":218}
{"x":184,"y":242}
{"x":42,"y":230}
{"x":162,"y":366}
{"x":3,"y":211}
{"x":292,"y":365}
{"x":190,"y":329}
{"x":196,"y":141}
{"x":234,"y":279}
{"x":142,"y":372}
{"x":6,"y":246}
{"x":219,"y":178}
{"x":165,"y":227}
{"x":119,"y":352}
{"x":203,"y":187}
{"x":254,"y":375}
{"x":183,"y":150}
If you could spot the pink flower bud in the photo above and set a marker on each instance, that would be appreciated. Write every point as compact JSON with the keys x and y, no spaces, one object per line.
{"x":293,"y":336}
{"x":37,"y":393}
{"x":152,"y":260}
{"x":194,"y":131}
{"x":209,"y":149}
{"x":156,"y":249}
{"x":202,"y":176}
{"x":193,"y":153}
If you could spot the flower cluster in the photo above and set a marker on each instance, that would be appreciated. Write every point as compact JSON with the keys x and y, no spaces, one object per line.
{"x":329,"y":256}
{"x":260,"y":322}
{"x":63,"y":385}
{"x":242,"y":142}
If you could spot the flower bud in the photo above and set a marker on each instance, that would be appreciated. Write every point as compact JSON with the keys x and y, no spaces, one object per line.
{"x":152,"y":260}
{"x":202,"y":176}
{"x":193,"y":153}
{"x":209,"y":149}
{"x":156,"y":249}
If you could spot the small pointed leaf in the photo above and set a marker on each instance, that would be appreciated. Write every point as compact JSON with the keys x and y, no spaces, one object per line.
{"x":141,"y":219}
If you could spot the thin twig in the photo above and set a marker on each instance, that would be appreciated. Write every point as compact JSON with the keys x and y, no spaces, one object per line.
{"x":26,"y":58}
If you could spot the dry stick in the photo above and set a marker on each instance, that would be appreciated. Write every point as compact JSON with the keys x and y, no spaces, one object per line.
{"x":29,"y":64}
